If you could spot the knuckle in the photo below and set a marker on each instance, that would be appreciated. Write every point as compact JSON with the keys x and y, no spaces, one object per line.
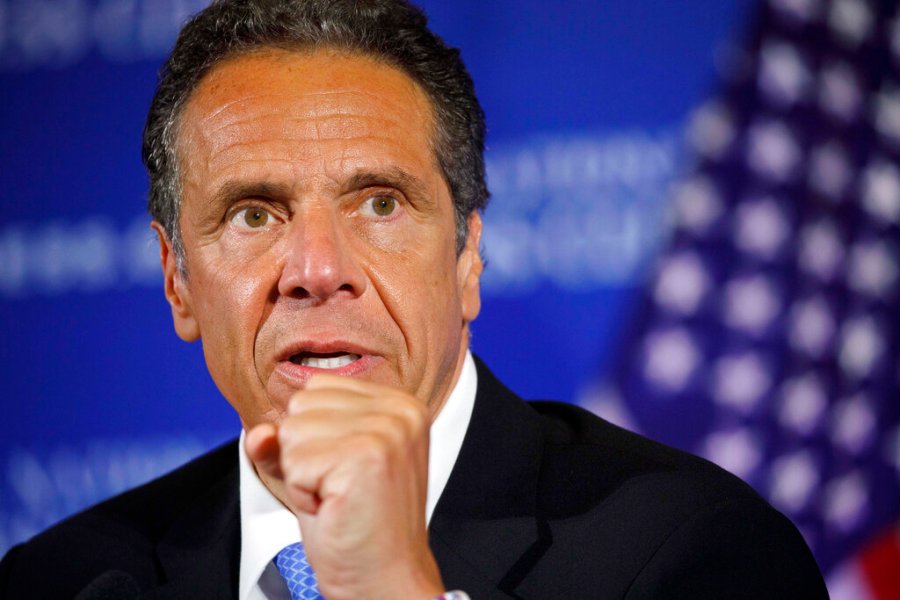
{"x":287,"y":433}
{"x":414,"y":414}
{"x":295,"y":403}
{"x":373,"y":447}
{"x":417,"y":418}
{"x":395,"y":429}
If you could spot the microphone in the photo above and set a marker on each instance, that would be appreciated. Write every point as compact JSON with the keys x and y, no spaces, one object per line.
{"x":111,"y":585}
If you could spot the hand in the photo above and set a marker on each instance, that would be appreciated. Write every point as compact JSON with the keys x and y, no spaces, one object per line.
{"x":350,"y":459}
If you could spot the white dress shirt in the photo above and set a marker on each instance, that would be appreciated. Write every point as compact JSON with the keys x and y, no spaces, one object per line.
{"x":267,"y":526}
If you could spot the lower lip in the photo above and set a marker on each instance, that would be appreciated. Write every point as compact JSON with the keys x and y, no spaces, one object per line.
{"x":300,"y":374}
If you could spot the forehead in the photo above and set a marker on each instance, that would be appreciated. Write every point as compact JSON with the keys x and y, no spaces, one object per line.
{"x":287,"y":98}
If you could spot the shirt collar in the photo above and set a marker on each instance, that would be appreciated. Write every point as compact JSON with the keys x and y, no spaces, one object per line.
{"x":267,"y":526}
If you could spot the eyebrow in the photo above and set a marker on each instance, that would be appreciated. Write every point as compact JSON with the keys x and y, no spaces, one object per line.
{"x":232,"y":191}
{"x":394,"y":177}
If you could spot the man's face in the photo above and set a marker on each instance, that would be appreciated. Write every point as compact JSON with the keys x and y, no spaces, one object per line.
{"x":318,"y":232}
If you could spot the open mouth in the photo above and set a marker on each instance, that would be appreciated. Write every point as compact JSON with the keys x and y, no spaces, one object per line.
{"x":329,"y":360}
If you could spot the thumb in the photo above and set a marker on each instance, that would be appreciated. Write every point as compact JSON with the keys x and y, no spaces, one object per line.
{"x":263,"y":449}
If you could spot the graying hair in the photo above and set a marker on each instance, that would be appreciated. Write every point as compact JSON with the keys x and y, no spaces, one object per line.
{"x":392,"y":31}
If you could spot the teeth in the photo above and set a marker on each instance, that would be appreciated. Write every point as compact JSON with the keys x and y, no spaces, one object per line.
{"x":331,"y":362}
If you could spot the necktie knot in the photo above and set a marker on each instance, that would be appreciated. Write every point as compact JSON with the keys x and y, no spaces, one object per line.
{"x":297,"y":573}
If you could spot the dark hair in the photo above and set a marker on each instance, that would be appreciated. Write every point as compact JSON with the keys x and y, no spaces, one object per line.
{"x":392,"y":31}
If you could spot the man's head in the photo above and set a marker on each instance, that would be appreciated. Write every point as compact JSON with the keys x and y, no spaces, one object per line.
{"x":314,"y":223}
{"x":390,"y":31}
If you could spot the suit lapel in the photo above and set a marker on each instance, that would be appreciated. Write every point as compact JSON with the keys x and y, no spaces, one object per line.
{"x":200,"y":554}
{"x":486,"y":531}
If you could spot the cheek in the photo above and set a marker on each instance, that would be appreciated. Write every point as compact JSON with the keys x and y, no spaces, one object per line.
{"x":418,"y":288}
{"x":233,"y":306}
{"x":438,"y":300}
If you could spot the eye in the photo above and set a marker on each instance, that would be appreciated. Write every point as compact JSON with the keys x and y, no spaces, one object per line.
{"x":382,"y":206}
{"x":253,"y":217}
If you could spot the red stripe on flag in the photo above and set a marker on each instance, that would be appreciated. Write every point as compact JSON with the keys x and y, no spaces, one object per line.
{"x":880,"y":562}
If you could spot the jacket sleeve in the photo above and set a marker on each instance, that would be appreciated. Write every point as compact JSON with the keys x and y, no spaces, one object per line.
{"x":740,"y":548}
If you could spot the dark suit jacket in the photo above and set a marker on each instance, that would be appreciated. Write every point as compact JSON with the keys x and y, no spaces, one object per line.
{"x":545,"y":501}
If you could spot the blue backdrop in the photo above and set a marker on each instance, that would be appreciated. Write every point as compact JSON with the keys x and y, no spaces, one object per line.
{"x":587,"y":103}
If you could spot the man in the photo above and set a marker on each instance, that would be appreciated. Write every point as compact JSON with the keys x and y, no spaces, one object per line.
{"x":316,"y":186}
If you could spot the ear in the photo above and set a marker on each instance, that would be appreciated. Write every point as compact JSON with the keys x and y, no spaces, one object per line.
{"x":176,"y":289}
{"x":469,"y":268}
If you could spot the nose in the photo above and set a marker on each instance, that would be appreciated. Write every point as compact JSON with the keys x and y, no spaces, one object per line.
{"x":319,"y":263}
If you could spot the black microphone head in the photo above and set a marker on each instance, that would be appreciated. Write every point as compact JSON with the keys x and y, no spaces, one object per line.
{"x":111,"y":585}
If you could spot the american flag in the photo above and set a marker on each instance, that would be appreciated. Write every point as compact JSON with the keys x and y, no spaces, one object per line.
{"x":769,"y":336}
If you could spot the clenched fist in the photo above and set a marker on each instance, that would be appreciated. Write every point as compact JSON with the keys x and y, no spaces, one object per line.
{"x":350,"y":459}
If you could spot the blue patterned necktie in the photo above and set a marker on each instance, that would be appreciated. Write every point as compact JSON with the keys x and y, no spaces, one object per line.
{"x":297,"y":573}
